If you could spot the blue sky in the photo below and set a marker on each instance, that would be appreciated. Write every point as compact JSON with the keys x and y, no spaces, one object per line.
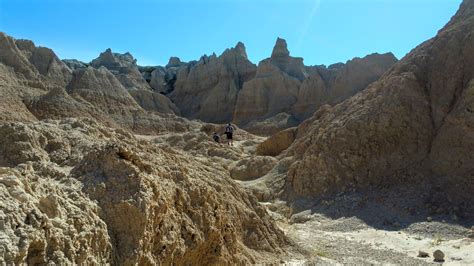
{"x":321,"y":31}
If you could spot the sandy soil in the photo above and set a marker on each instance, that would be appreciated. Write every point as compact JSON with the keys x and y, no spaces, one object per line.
{"x":341,"y":230}
{"x":375,"y":226}
{"x":330,"y":241}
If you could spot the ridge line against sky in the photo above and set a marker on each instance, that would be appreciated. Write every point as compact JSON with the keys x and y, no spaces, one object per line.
{"x":320,"y":31}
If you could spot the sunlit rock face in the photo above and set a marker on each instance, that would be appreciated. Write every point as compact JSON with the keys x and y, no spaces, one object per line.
{"x":125,"y":69}
{"x":414,"y":124}
{"x":284,"y":85}
{"x":208,"y":89}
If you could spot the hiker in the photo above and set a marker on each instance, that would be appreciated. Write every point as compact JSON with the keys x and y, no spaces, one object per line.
{"x":229,"y":131}
{"x":216,"y":137}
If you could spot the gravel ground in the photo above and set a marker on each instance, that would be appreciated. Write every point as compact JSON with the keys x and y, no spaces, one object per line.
{"x":384,"y":226}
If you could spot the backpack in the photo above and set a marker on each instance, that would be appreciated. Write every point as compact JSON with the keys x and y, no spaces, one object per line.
{"x":229,"y":129}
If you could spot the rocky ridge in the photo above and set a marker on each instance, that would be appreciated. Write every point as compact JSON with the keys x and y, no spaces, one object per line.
{"x":88,"y":190}
{"x":279,"y":93}
{"x":70,"y":183}
{"x":411,"y":126}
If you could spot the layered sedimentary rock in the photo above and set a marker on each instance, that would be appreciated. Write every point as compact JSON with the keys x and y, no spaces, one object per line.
{"x":38,"y":64}
{"x":74,"y":64}
{"x":125,"y":69}
{"x":12,"y":107}
{"x":163,"y":79}
{"x":75,"y":192}
{"x":274,"y":89}
{"x":284,"y":85}
{"x":26,"y":71}
{"x":416,"y":123}
{"x":153,"y":101}
{"x":102,"y":89}
{"x":208,"y":89}
{"x":338,"y":82}
{"x":35,"y":84}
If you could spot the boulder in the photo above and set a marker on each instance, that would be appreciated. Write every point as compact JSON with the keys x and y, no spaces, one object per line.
{"x":438,"y":255}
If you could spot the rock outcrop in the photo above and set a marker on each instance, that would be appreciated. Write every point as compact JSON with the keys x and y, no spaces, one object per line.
{"x":125,"y":69}
{"x":75,"y":192}
{"x":74,"y":64}
{"x":274,"y":89}
{"x":35,"y":84}
{"x":152,"y":101}
{"x":163,"y":79}
{"x":338,"y":82}
{"x":33,"y":63}
{"x":208,"y":89}
{"x":284,"y":85}
{"x":252,"y":168}
{"x":414,"y":124}
{"x":277,"y":143}
{"x":103,"y":90}
{"x":26,"y":71}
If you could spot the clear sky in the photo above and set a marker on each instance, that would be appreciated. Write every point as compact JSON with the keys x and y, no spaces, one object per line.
{"x":321,"y":31}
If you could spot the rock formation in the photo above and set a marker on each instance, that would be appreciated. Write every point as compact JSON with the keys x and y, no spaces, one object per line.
{"x":252,"y":168}
{"x":35,"y":84}
{"x":163,"y":79}
{"x":103,"y":90}
{"x":208,"y":89}
{"x":274,"y":88}
{"x":279,"y":94}
{"x":74,"y":64}
{"x":125,"y":69}
{"x":96,"y":168}
{"x":414,"y":124}
{"x":153,"y":101}
{"x":37,"y":64}
{"x":338,"y":82}
{"x":277,"y":143}
{"x":76,"y":192}
{"x":285,"y":91}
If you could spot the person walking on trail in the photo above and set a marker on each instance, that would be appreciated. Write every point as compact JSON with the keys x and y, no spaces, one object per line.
{"x":216,"y":137}
{"x":229,"y":132}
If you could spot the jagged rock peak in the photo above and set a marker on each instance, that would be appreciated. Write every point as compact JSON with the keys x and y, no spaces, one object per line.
{"x":206,"y":59}
{"x":174,"y":62}
{"x":280,"y":49}
{"x":237,"y":51}
{"x":113,"y":61}
{"x":240,"y":48}
{"x":25,"y":44}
